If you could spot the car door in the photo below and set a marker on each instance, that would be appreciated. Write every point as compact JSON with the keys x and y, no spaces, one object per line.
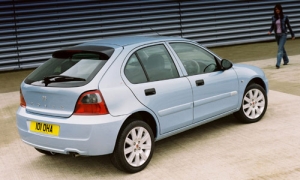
{"x":215,"y":91}
{"x":152,"y":76}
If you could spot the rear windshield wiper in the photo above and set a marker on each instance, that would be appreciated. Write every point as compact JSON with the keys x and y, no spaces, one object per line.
{"x":60,"y":78}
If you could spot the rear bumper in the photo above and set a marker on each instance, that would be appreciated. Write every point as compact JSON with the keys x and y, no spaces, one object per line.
{"x":85,"y":135}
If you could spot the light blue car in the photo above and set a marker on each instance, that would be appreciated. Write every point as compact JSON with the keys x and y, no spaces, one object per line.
{"x":119,"y":95}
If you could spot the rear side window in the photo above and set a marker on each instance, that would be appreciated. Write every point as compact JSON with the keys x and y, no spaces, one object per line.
{"x":68,"y":68}
{"x":152,"y":63}
{"x":134,"y":71}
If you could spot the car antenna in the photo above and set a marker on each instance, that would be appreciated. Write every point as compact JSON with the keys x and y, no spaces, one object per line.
{"x":154,"y":31}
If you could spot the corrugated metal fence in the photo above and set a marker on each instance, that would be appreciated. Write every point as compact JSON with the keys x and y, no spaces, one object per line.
{"x":31,"y":30}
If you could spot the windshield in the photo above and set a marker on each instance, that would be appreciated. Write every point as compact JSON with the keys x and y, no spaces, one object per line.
{"x":82,"y":66}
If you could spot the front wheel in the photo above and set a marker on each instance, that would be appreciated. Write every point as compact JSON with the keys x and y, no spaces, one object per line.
{"x":134,"y":147}
{"x":254,"y":104}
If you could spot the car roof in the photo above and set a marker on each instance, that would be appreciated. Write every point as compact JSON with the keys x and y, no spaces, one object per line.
{"x":129,"y":40}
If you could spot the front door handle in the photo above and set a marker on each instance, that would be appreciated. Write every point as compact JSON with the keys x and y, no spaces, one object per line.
{"x":200,"y":82}
{"x":149,"y":92}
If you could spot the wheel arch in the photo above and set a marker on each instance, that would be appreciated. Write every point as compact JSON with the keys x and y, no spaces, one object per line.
{"x":118,"y":158}
{"x":258,"y":81}
{"x":255,"y":80}
{"x":143,"y":116}
{"x":259,"y":84}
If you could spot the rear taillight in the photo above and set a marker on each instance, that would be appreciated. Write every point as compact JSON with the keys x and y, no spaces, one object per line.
{"x":22,"y":100}
{"x":91,"y":103}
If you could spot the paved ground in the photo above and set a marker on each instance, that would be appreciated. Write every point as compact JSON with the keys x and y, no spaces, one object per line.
{"x":224,"y":149}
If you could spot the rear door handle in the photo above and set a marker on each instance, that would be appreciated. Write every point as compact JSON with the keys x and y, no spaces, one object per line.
{"x":149,"y":92}
{"x":200,"y":82}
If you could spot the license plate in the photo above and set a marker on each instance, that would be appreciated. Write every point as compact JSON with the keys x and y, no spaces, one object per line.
{"x":51,"y":129}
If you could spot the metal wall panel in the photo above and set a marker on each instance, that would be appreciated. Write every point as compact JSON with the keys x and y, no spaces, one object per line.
{"x":233,"y":22}
{"x":31,"y":30}
{"x":8,"y":40}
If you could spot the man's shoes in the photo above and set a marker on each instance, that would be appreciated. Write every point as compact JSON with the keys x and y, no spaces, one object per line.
{"x":285,"y":63}
{"x":277,"y":67}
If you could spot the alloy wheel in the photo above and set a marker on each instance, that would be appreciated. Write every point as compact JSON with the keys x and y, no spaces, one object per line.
{"x":137,"y":146}
{"x":253,"y":103}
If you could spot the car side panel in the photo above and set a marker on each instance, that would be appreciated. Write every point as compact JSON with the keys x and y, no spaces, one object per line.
{"x":217,"y":95}
{"x":214,"y":93}
{"x":171,"y":103}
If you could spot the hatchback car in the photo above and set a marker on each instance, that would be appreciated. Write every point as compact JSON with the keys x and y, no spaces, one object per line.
{"x":119,"y":95}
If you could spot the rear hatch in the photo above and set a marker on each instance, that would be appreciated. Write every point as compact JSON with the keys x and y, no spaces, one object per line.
{"x":50,"y":101}
{"x":54,"y":88}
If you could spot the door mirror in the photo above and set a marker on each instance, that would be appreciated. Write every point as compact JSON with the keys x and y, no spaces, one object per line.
{"x":226,"y":64}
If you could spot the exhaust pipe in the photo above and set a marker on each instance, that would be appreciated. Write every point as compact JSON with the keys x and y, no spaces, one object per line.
{"x":74,"y":154}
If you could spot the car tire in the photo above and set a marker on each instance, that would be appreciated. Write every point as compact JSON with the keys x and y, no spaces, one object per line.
{"x":254,"y":104}
{"x":134,"y":147}
{"x":48,"y":153}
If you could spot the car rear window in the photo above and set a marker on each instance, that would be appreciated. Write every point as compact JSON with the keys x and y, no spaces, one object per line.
{"x":69,"y":68}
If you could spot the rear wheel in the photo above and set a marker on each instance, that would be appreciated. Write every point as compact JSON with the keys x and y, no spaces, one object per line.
{"x":45,"y":152}
{"x":134,"y":147}
{"x":254,"y":104}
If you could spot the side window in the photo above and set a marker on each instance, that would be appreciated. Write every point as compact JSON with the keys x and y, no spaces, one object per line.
{"x":195,"y":59}
{"x":134,"y":71}
{"x":159,"y":65}
{"x":152,"y":63}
